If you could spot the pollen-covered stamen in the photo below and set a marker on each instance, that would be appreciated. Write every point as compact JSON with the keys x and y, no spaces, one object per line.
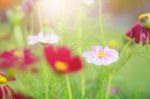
{"x":61,"y":66}
{"x":101,"y":54}
{"x":3,"y":79}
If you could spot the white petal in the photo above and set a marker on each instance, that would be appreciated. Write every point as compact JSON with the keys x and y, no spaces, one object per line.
{"x":31,"y":40}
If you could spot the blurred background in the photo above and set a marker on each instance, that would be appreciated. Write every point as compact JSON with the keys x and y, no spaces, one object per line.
{"x":66,"y":16}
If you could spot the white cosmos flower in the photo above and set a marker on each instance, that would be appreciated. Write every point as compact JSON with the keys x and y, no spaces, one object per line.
{"x":99,"y":55}
{"x":44,"y":38}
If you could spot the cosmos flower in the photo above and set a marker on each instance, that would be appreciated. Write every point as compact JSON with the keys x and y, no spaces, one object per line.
{"x":44,"y":38}
{"x":8,"y":59}
{"x":6,"y":92}
{"x":140,"y":31}
{"x":99,"y":55}
{"x":61,"y":60}
{"x":15,"y":58}
{"x":28,"y":58}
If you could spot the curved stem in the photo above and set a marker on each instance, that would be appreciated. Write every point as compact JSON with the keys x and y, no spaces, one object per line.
{"x":69,"y":87}
{"x":101,"y":23}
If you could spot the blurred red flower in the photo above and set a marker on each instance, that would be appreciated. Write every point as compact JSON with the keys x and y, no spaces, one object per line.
{"x":16,"y":58}
{"x":61,"y":60}
{"x":139,"y":33}
{"x":7,"y":59}
{"x":28,"y":59}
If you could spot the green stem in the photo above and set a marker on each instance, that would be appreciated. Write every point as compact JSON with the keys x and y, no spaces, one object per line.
{"x":147,"y":51}
{"x":18,"y":36}
{"x":103,"y":83}
{"x":108,"y":86}
{"x":39,"y":17}
{"x":83,"y":83}
{"x":101,"y":23}
{"x":46,"y":87}
{"x":100,"y":84}
{"x":69,"y":87}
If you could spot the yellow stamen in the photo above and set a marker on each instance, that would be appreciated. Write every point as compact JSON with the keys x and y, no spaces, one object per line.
{"x":61,"y":66}
{"x":101,"y":54}
{"x":3,"y":79}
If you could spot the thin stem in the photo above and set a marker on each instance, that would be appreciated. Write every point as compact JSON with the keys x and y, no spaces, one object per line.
{"x":18,"y":36}
{"x":82,"y":83}
{"x":46,"y":85}
{"x":69,"y":87}
{"x":103,"y":84}
{"x":39,"y":17}
{"x":108,"y":86}
{"x":147,"y":50}
{"x":101,"y":23}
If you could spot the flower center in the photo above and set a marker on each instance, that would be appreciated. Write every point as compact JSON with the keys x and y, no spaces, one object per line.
{"x":61,"y":66}
{"x":101,"y":54}
{"x":3,"y":79}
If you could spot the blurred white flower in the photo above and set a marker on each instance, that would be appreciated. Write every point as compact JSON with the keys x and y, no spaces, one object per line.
{"x":99,"y":55}
{"x":89,"y":2}
{"x":44,"y":38}
{"x":32,"y":39}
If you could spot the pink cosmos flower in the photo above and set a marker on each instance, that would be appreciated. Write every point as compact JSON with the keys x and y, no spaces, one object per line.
{"x":99,"y":55}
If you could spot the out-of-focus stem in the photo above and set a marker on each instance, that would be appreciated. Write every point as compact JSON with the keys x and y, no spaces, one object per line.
{"x":82,"y":83}
{"x":108,"y":86}
{"x":39,"y":17}
{"x":69,"y":87}
{"x":101,"y":22}
{"x":18,"y":36}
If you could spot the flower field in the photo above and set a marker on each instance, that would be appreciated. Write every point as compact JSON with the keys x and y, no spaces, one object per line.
{"x":74,"y":49}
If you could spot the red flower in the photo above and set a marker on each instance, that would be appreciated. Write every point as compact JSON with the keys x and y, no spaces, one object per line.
{"x":21,"y":96}
{"x":16,"y":58}
{"x":138,"y":32}
{"x":6,"y":91}
{"x":7,"y":59}
{"x":28,"y":59}
{"x":61,"y":60}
